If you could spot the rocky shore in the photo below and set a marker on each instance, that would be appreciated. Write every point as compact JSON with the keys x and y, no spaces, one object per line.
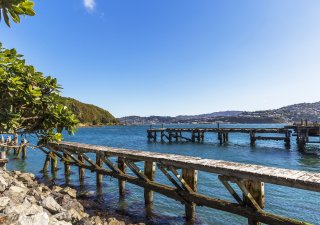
{"x":23,"y":201}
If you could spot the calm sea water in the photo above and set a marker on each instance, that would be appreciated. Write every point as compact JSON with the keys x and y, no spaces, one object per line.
{"x":290,"y":202}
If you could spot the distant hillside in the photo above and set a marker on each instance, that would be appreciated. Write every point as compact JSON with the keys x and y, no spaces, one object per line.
{"x":90,"y":114}
{"x":287,"y":114}
{"x":202,"y":118}
{"x":291,"y":113}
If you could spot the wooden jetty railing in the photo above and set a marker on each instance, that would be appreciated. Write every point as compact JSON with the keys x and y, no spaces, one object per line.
{"x":182,"y":172}
{"x":198,"y":134}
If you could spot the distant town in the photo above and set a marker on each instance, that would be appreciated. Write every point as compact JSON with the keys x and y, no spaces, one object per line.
{"x":287,"y":114}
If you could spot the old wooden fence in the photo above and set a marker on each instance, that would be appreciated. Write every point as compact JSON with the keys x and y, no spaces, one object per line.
{"x":182,"y":172}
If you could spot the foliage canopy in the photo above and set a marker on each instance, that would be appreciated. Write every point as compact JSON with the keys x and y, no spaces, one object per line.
{"x":30,"y":102}
{"x":15,"y":9}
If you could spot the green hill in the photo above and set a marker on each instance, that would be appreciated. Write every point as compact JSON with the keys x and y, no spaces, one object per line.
{"x":88,"y":114}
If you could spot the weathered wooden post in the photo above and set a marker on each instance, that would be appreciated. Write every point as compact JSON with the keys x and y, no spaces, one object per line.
{"x":162,"y":135}
{"x":256,"y":190}
{"x":202,"y":136}
{"x":3,"y":160}
{"x":8,"y":142}
{"x":15,"y":143}
{"x":149,"y":136}
{"x":193,"y":136}
{"x":149,"y":171}
{"x":122,"y":184}
{"x":66,"y":168}
{"x":81,"y":169}
{"x":176,"y":136}
{"x":287,"y":138}
{"x":54,"y":163}
{"x":224,"y":137}
{"x":227,"y":137}
{"x":190,"y":176}
{"x":170,"y":136}
{"x":98,"y":174}
{"x":24,"y":148}
{"x":252,"y":137}
{"x":220,"y":137}
{"x":46,"y":163}
{"x":155,"y":136}
{"x":298,"y":134}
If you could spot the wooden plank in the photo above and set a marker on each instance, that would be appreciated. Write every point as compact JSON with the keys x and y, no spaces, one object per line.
{"x":180,"y":178}
{"x":136,"y":170}
{"x":226,"y":184}
{"x":111,"y":165}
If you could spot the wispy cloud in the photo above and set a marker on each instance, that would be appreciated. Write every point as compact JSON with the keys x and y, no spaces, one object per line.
{"x":89,"y":4}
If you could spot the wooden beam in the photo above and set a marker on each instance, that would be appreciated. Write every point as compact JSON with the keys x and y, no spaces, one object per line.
{"x":180,"y":178}
{"x":224,"y":180}
{"x":136,"y":170}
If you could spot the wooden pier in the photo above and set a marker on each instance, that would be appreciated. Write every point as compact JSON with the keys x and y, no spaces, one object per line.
{"x":198,"y":134}
{"x":304,"y":131}
{"x":182,"y":173}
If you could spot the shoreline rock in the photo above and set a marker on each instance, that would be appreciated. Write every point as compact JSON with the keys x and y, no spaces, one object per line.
{"x":24,"y":201}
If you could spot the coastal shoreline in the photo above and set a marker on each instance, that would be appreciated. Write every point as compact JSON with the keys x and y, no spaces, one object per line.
{"x":25,"y":201}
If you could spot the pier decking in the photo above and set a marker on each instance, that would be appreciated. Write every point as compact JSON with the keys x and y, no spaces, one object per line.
{"x":198,"y":134}
{"x":182,"y":173}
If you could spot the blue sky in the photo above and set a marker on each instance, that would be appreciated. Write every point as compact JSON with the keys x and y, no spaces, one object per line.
{"x":172,"y":57}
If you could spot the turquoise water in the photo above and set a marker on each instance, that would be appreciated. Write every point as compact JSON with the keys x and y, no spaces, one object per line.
{"x":290,"y":202}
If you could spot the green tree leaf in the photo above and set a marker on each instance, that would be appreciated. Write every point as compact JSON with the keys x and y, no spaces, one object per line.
{"x":30,"y":103}
{"x":14,"y":9}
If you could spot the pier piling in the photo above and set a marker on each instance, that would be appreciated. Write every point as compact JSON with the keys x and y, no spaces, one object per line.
{"x":149,"y":172}
{"x":98,"y":174}
{"x":46,"y":163}
{"x":122,"y":182}
{"x":253,"y":197}
{"x":191,"y":178}
{"x":81,"y":170}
